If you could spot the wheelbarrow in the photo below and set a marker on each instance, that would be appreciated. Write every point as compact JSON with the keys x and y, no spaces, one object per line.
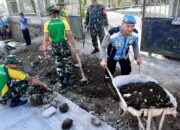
{"x":147,"y":114}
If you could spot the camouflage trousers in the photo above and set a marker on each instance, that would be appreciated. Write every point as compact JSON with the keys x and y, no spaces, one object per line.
{"x":61,"y":53}
{"x":18,"y":88}
{"x":96,"y":32}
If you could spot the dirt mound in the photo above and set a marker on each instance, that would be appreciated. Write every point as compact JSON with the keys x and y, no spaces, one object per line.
{"x":145,"y":95}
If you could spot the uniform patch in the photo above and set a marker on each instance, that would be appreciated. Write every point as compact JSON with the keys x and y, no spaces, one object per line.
{"x":130,"y":41}
{"x":118,"y":43}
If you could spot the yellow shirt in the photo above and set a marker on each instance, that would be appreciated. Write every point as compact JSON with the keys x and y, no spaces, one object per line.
{"x":67,"y":27}
{"x":14,"y":74}
{"x":57,"y":30}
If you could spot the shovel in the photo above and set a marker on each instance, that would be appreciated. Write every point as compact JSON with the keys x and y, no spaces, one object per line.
{"x":84,"y":79}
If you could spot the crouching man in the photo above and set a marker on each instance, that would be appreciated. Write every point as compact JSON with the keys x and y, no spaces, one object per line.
{"x":117,"y":43}
{"x":8,"y":89}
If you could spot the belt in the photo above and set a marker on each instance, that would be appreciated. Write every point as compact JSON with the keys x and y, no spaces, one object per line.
{"x":59,"y":42}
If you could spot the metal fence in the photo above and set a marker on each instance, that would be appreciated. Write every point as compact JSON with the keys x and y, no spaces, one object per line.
{"x":160,"y":8}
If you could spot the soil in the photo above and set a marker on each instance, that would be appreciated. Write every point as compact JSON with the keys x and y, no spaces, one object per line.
{"x":95,"y":96}
{"x":145,"y":95}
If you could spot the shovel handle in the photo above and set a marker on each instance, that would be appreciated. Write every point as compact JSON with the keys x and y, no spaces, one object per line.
{"x":109,"y":73}
{"x":80,"y":65}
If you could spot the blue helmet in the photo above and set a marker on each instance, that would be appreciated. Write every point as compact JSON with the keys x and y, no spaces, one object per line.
{"x":128,"y":18}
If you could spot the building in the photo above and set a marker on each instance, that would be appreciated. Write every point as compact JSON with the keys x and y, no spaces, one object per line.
{"x":35,"y":11}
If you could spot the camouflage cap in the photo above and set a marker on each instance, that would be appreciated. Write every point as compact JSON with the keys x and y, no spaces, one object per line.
{"x":11,"y":59}
{"x":52,"y":9}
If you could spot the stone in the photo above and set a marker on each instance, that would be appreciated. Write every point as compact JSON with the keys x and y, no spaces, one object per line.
{"x":95,"y":121}
{"x":53,"y":103}
{"x":67,"y":123}
{"x":92,"y":112}
{"x":36,"y":100}
{"x":64,"y":108}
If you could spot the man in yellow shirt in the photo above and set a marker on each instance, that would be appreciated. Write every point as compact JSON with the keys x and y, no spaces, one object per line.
{"x":63,"y":13}
{"x":58,"y":33}
{"x":8,"y":73}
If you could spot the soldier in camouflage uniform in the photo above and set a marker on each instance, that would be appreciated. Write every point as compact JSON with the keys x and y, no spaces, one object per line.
{"x":13,"y":83}
{"x":59,"y":32}
{"x":96,"y":18}
{"x":63,"y":13}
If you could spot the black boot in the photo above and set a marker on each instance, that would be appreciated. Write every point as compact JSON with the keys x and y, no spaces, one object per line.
{"x":16,"y":101}
{"x":95,"y":50}
{"x":66,"y":81}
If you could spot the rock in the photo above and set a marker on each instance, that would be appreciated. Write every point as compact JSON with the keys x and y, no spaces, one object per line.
{"x":54,"y":103}
{"x":67,"y":123}
{"x":63,"y":91}
{"x":118,"y":121}
{"x":75,"y":86}
{"x":36,"y":100}
{"x":111,"y":112}
{"x":95,"y":121}
{"x":64,"y":108}
{"x":46,"y":106}
{"x":32,"y":65}
{"x":92,"y":112}
{"x":84,"y":107}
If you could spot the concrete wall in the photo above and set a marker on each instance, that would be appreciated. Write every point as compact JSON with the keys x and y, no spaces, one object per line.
{"x":36,"y":27}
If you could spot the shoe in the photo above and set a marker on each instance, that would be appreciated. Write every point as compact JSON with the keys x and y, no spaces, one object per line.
{"x":27,"y":44}
{"x":17,"y":102}
{"x":95,"y":50}
{"x":106,"y":78}
{"x":65,"y":85}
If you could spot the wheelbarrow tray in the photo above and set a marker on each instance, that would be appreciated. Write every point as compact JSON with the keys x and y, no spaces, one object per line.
{"x":119,"y":81}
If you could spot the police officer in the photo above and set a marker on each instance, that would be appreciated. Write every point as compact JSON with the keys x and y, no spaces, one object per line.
{"x":59,"y":32}
{"x":96,"y":18}
{"x":10,"y":89}
{"x":117,"y":43}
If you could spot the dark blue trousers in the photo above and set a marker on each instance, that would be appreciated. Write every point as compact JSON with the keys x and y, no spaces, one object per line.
{"x":26,"y":36}
{"x":125,"y":65}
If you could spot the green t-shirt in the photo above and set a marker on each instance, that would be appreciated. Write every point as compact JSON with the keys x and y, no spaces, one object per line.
{"x":57,"y":29}
{"x":14,"y":74}
{"x":3,"y":78}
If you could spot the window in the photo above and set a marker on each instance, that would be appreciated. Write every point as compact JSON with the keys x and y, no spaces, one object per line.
{"x":2,"y":8}
{"x":12,"y":6}
{"x":27,"y":7}
{"x":44,"y":4}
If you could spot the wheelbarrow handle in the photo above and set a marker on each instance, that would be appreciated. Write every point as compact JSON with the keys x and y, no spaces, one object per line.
{"x":111,"y":76}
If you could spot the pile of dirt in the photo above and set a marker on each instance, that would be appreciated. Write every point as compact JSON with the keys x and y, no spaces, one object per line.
{"x":145,"y":95}
{"x":93,"y":96}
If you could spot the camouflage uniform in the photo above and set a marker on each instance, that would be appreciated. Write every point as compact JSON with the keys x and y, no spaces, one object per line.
{"x":62,"y":55}
{"x":16,"y":88}
{"x":96,"y":19}
{"x":61,"y":51}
